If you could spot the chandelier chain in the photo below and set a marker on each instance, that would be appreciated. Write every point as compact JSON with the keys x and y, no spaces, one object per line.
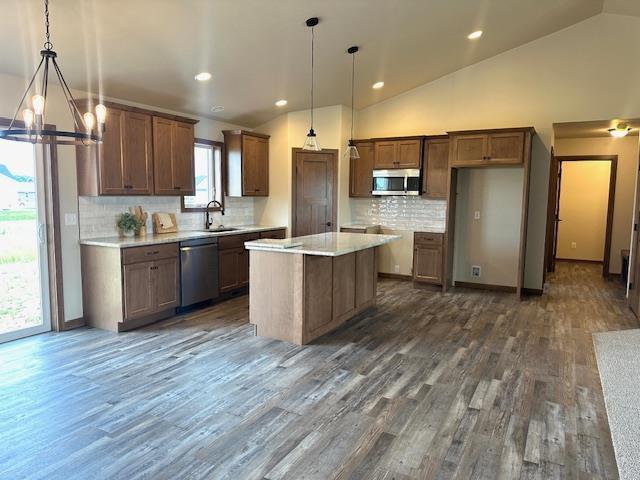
{"x":47,"y":45}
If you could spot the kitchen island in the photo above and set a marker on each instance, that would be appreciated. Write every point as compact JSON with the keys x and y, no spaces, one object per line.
{"x":301,"y":288}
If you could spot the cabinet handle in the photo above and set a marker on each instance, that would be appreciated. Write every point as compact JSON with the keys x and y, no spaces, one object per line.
{"x":177,"y":188}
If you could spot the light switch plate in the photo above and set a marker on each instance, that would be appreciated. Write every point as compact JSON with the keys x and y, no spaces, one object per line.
{"x":574,"y":245}
{"x":476,"y":215}
{"x":70,"y":219}
{"x":476,"y":271}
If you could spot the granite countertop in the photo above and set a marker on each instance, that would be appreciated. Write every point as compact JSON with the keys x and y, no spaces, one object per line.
{"x":331,"y":244}
{"x":154,"y":239}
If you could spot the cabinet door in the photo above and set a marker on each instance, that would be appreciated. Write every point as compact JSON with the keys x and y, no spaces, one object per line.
{"x":280,"y":233}
{"x":427,"y":263}
{"x":111,"y":180}
{"x":255,"y":166}
{"x":385,"y":154}
{"x":162,"y":153}
{"x":182,"y":162}
{"x":138,"y":290}
{"x":506,"y":148}
{"x":361,"y":171}
{"x":468,"y":149}
{"x":137,"y":154}
{"x":409,"y":153}
{"x":166,"y":279}
{"x":228,"y":269}
{"x":436,"y":168}
{"x":243,"y":267}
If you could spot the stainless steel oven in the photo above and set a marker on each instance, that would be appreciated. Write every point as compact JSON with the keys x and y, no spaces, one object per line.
{"x":396,"y":182}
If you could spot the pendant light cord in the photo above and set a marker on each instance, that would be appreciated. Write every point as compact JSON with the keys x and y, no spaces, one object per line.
{"x":47,"y":45}
{"x":312,"y":71}
{"x":353,"y":81}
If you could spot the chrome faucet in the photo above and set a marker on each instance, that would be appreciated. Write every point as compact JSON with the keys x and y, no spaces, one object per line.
{"x":207,"y":218}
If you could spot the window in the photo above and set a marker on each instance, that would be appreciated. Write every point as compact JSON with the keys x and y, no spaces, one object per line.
{"x":208,"y":173}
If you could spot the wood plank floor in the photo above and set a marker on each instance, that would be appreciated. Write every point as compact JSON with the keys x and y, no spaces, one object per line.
{"x":464,"y":385}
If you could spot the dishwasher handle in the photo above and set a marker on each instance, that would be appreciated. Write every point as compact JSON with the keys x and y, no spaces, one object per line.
{"x":199,"y":247}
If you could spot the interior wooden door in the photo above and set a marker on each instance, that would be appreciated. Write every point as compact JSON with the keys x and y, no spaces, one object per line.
{"x":634,"y":261}
{"x":314,"y":192}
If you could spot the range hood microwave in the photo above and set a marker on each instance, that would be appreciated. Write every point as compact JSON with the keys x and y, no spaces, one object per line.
{"x":396,"y":182}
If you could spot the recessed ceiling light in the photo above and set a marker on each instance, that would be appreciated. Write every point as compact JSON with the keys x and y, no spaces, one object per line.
{"x":620,"y":130}
{"x":281,"y":103}
{"x":378,"y":85}
{"x":217,"y":108}
{"x":474,"y":35}
{"x":203,"y":76}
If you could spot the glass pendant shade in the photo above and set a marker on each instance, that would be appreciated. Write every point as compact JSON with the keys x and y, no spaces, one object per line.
{"x":352,"y":151}
{"x":311,"y":142}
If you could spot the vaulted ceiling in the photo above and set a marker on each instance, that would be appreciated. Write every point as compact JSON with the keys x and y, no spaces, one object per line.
{"x":148,"y":51}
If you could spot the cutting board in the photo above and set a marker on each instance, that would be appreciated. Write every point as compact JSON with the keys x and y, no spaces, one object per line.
{"x":162,"y":225}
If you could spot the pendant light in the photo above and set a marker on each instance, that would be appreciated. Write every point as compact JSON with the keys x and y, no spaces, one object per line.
{"x":88,"y":127}
{"x":311,"y":142}
{"x":352,"y":150}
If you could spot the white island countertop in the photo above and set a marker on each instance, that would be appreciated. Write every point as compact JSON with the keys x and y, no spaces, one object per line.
{"x":331,"y":244}
{"x":179,"y":236}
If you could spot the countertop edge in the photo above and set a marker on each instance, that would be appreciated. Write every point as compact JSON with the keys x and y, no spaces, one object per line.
{"x":324,"y":253}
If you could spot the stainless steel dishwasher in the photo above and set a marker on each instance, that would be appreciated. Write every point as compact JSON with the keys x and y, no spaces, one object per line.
{"x":198,"y":271}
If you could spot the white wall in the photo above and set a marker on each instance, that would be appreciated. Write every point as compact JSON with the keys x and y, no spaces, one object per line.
{"x":627,"y":151}
{"x":571,"y":75}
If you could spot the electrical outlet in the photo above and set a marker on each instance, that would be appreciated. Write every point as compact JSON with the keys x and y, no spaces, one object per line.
{"x":70,"y":219}
{"x":475,"y":271}
{"x":476,"y":215}
{"x":574,"y":245}
{"x":396,"y":268}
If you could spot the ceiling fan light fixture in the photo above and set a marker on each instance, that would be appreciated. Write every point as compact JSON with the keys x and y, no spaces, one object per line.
{"x":620,"y":130}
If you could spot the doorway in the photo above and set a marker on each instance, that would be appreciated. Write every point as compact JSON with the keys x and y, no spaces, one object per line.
{"x":581,"y":206}
{"x":24,"y":265}
{"x":314,"y":192}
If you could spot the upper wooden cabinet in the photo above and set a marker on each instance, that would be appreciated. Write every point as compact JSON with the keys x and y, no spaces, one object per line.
{"x":247,"y":163}
{"x":398,"y":153}
{"x":142,"y":153}
{"x":173,"y":157}
{"x":435,"y":168}
{"x":490,"y":147}
{"x":361,"y":170}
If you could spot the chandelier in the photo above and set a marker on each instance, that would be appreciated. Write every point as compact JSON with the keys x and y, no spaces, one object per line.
{"x":88,"y":127}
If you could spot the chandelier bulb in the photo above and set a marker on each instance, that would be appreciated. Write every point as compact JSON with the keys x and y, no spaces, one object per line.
{"x":28,"y":117}
{"x":101,"y":113}
{"x":37,"y":101}
{"x":89,"y":121}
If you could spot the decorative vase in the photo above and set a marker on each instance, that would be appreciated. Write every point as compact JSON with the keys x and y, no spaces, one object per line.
{"x":127,"y":233}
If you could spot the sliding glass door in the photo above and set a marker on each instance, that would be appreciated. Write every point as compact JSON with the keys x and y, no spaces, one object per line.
{"x":24,"y":273}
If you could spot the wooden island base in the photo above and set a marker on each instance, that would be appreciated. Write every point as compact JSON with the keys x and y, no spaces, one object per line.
{"x":299,"y":297}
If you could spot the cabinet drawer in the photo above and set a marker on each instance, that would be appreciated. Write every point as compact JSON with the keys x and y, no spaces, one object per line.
{"x":150,"y":252}
{"x":425,"y":238}
{"x":279,"y":233}
{"x":236,"y":241}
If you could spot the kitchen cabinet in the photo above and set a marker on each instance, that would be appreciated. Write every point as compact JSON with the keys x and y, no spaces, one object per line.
{"x":233,"y":261}
{"x":247,"y":163}
{"x":129,"y":287}
{"x":488,"y":148}
{"x":428,"y":257}
{"x":122,"y":163}
{"x":142,"y":153}
{"x":277,"y":233}
{"x":361,"y":170}
{"x":173,"y":161}
{"x":435,"y":169}
{"x":398,"y":153}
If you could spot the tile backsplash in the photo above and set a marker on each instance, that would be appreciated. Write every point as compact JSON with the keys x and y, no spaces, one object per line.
{"x":401,"y":213}
{"x":97,"y":215}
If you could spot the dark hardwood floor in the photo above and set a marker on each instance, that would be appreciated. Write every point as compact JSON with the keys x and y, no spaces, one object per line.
{"x":464,"y":385}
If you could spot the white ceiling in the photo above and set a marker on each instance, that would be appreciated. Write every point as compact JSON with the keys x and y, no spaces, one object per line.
{"x":592,"y":129}
{"x":148,"y":51}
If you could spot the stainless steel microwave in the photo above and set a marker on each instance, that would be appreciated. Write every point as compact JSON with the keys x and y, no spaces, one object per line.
{"x":396,"y":182}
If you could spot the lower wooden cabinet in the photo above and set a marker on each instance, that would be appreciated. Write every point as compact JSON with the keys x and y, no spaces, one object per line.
{"x":130,"y":287}
{"x":229,"y":266}
{"x":428,"y":257}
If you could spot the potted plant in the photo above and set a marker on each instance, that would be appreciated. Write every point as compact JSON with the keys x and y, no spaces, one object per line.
{"x":128,"y":224}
